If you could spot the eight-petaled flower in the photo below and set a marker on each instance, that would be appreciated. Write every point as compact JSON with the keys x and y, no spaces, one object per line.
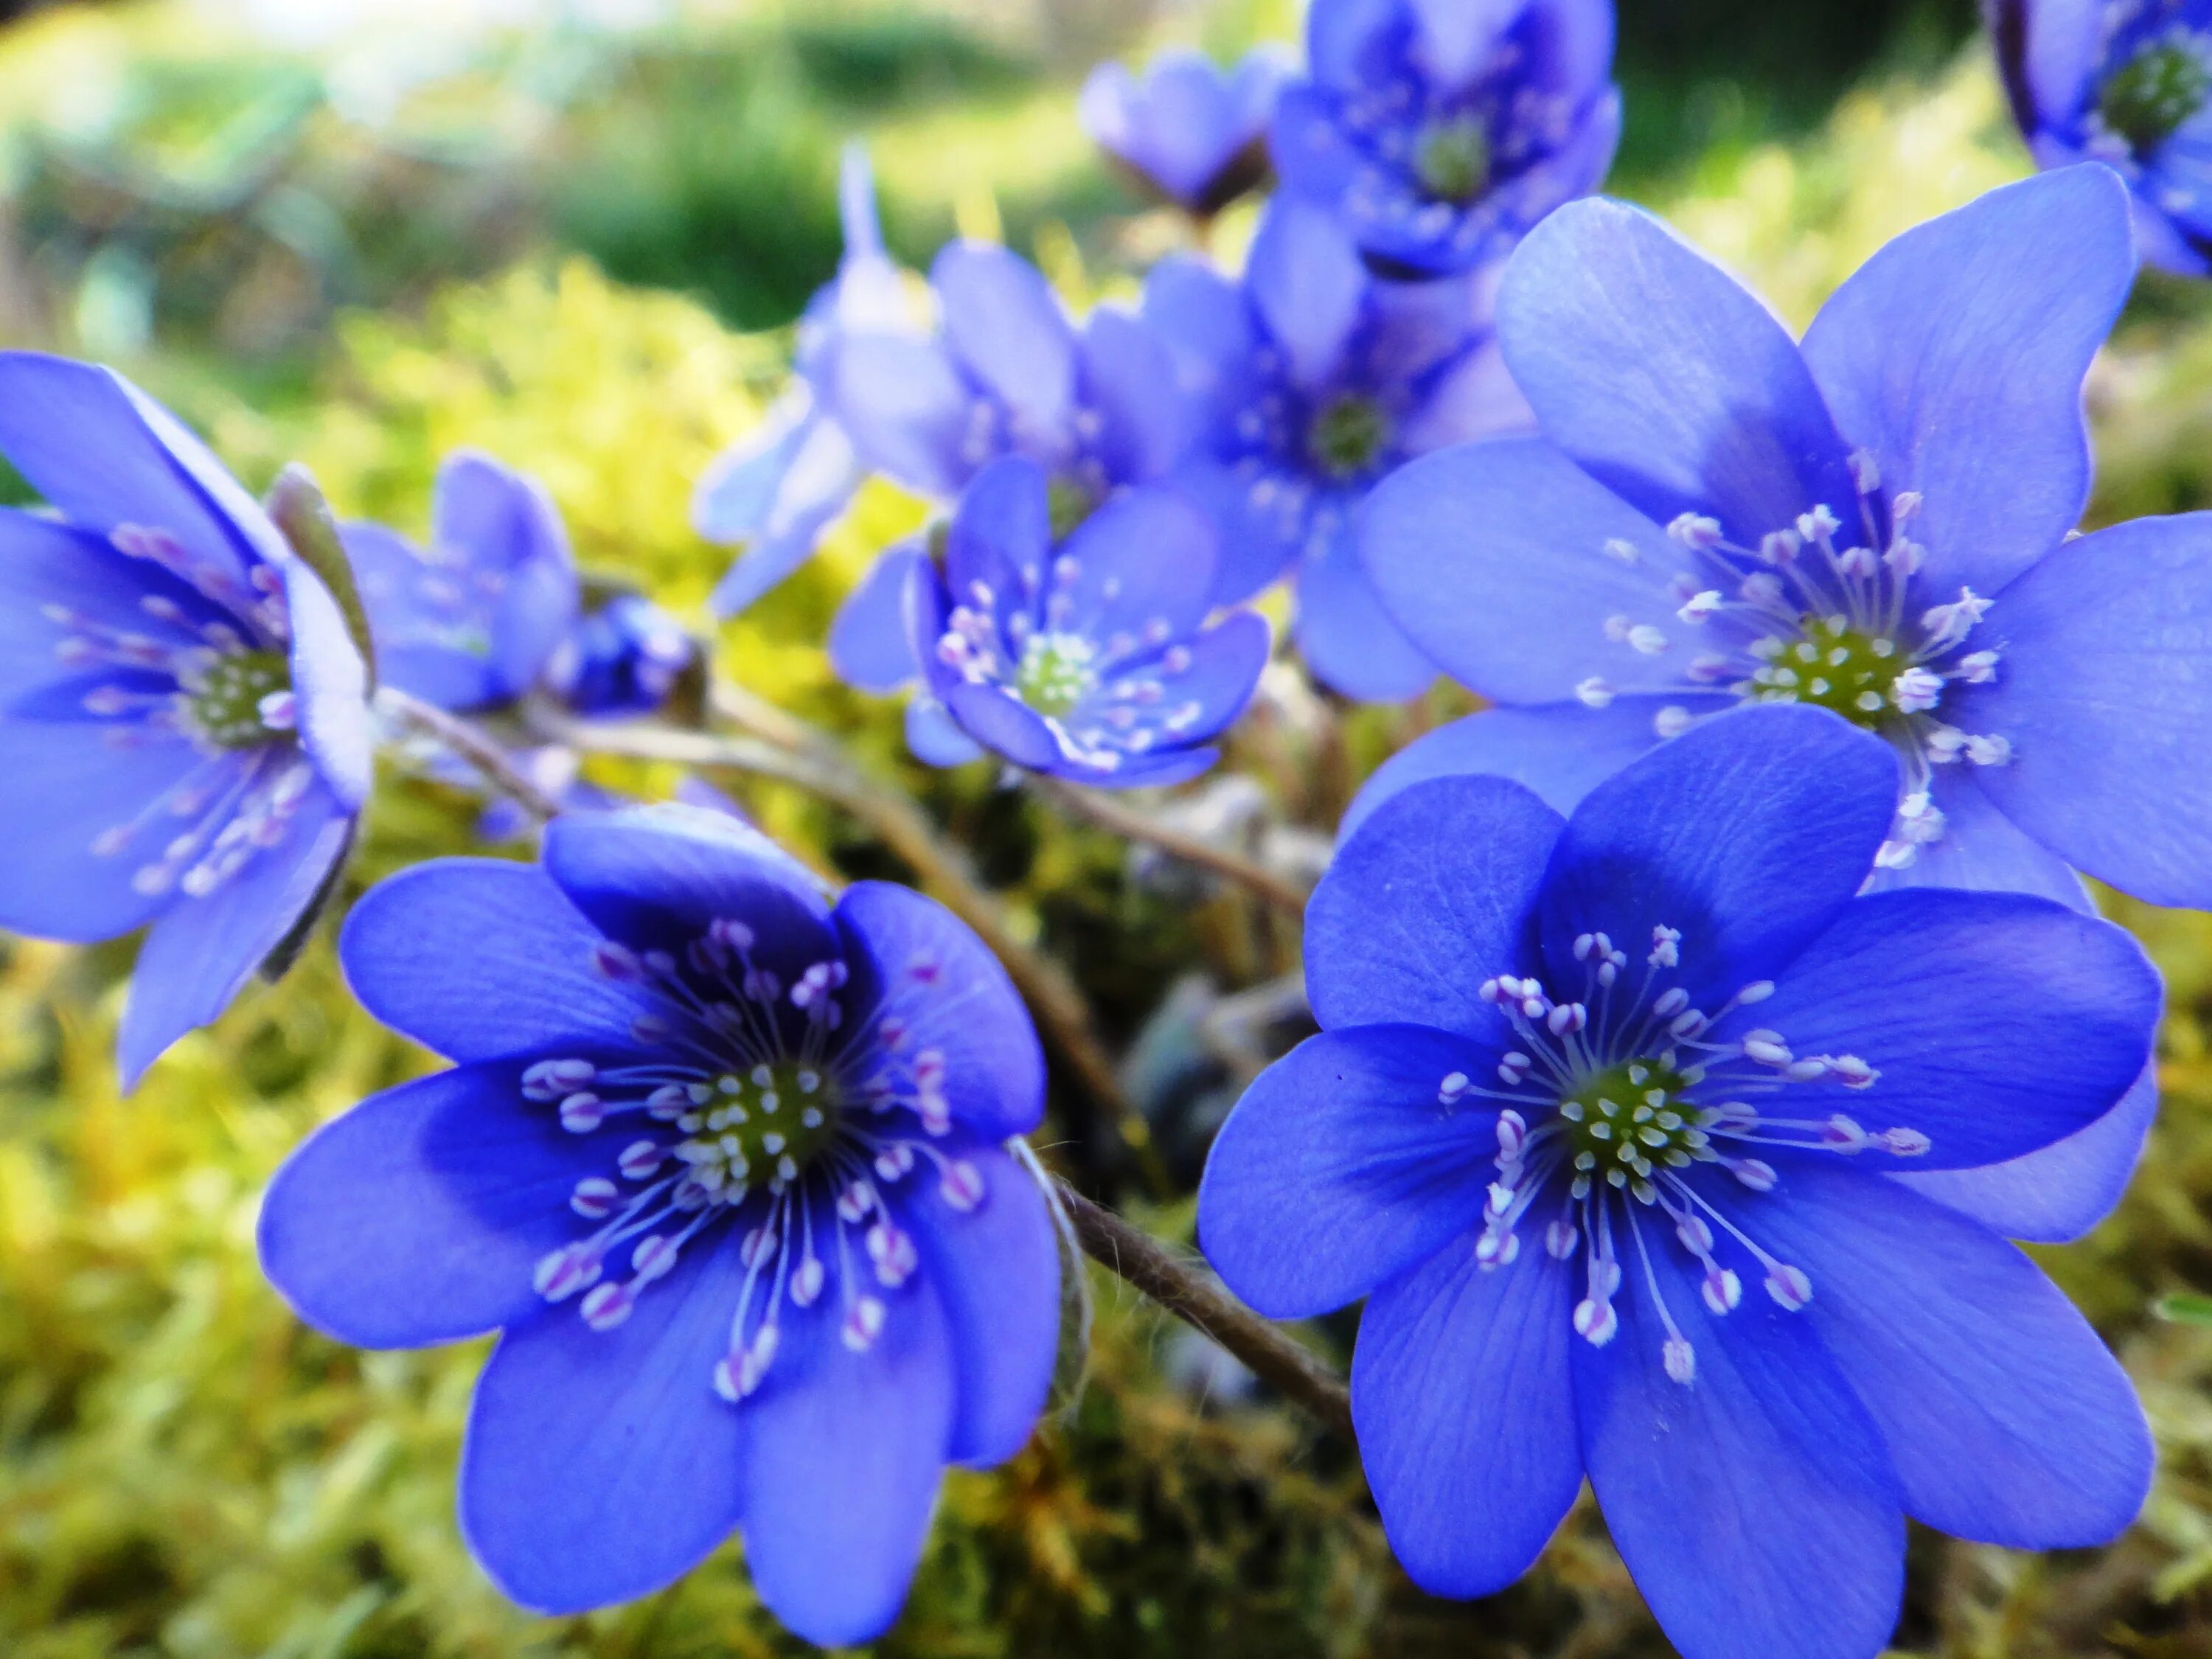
{"x":1192,"y":131}
{"x":1440,"y":130}
{"x":2128,"y":82}
{"x":1606,"y":1120}
{"x":1085,"y":654}
{"x":184,"y":731}
{"x":1311,"y":380}
{"x":729,"y":1168}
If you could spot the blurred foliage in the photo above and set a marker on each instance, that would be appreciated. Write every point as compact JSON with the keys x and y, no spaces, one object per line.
{"x":307,"y":272}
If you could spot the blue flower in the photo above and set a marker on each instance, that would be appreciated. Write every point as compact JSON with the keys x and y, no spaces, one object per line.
{"x":1606,"y":1120}
{"x":470,"y":620}
{"x":1440,"y":130}
{"x":729,"y":1170}
{"x":1313,"y":380}
{"x":1194,"y":133}
{"x":2128,"y":82}
{"x":1878,"y":523}
{"x":183,"y":728}
{"x":1006,"y":372}
{"x":1083,"y":652}
{"x":625,"y":658}
{"x":779,"y":488}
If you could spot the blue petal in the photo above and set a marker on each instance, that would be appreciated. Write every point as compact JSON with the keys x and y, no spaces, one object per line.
{"x":1673,"y":385}
{"x":2007,"y":1420}
{"x":502,"y":523}
{"x":106,"y":454}
{"x":996,"y":1269}
{"x":1747,"y":834}
{"x":1981,"y":848}
{"x":815,"y":488}
{"x":1226,"y":661}
{"x":1560,"y":751}
{"x":67,"y":787}
{"x":47,"y":566}
{"x":1001,"y":536}
{"x":1005,"y":325}
{"x":1144,"y":560}
{"x":481,"y":957}
{"x":1461,"y":1386}
{"x":330,"y":681}
{"x":656,"y":877}
{"x":2056,"y":1194}
{"x":934,"y":737}
{"x":1259,"y":542}
{"x":1982,"y":321}
{"x":1005,"y":725}
{"x":1307,"y":281}
{"x":202,"y":950}
{"x":601,"y":1465}
{"x":905,"y":408}
{"x":1458,"y":37}
{"x":1515,"y":569}
{"x":419,"y":1216}
{"x":2106,"y":678}
{"x":1999,"y":1023}
{"x":914,"y":961}
{"x":1756,"y":1507}
{"x":870,"y":648}
{"x":430,"y":646}
{"x":1206,"y":325}
{"x":1349,"y":641}
{"x":1436,"y":894}
{"x":1127,"y":374}
{"x":843,"y":1456}
{"x":2048,"y":50}
{"x":1156,"y":771}
{"x":1341,"y":1167}
{"x":738,"y":493}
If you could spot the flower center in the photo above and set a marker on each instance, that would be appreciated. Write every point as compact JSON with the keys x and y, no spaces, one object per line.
{"x":1068,"y":502}
{"x":1627,"y":1120}
{"x":1347,"y":435}
{"x":1452,"y":159}
{"x":2151,"y":95}
{"x":1057,"y":672}
{"x":1848,"y":670}
{"x":774,"y":1120}
{"x":242,"y":700}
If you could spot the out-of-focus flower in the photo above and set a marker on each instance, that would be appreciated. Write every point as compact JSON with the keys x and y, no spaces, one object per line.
{"x":1312,"y":380}
{"x":1192,"y":131}
{"x":729,"y":1170}
{"x":1602,"y":1121}
{"x":185,"y":725}
{"x":1440,"y":130}
{"x":1082,"y":653}
{"x":625,"y":658}
{"x":2128,"y":82}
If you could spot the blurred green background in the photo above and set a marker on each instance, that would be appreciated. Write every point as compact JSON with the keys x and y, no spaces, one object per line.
{"x":575,"y":234}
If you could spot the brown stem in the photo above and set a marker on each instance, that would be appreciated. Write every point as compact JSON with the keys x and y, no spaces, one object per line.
{"x":1127,"y":821}
{"x":945,"y":869}
{"x":464,"y":739}
{"x":1141,"y":1259}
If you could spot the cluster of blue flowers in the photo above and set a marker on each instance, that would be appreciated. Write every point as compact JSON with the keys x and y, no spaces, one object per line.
{"x":1697,"y":1022}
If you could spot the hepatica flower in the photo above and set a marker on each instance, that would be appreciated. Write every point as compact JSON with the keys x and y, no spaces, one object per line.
{"x":1440,"y":130}
{"x":2126,"y":82}
{"x":727,"y":1168}
{"x":184,"y":730}
{"x":1876,"y":523}
{"x":1193,"y":132}
{"x":1085,"y":654}
{"x":1606,"y":1120}
{"x":1311,"y":381}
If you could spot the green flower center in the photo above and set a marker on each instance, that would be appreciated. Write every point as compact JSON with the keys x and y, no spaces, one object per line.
{"x":1836,"y":667}
{"x":766,"y":1124}
{"x":2148,"y":98}
{"x":1068,"y":502}
{"x":1347,"y":435}
{"x":1056,"y":672}
{"x":230,"y":705}
{"x":1629,"y":1119}
{"x":1451,"y":160}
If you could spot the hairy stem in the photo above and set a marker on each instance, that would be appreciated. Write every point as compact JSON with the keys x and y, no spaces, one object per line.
{"x":1144,"y":1263}
{"x":1127,"y":821}
{"x":467,"y":741}
{"x":919,"y":841}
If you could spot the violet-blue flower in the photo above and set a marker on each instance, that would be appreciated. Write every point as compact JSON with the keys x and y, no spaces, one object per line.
{"x":1082,"y":653}
{"x":729,"y":1168}
{"x":626,"y":657}
{"x":185,"y":727}
{"x":1440,"y":130}
{"x":1311,"y":381}
{"x":1195,"y":133}
{"x":1604,"y":1120}
{"x":2128,"y":82}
